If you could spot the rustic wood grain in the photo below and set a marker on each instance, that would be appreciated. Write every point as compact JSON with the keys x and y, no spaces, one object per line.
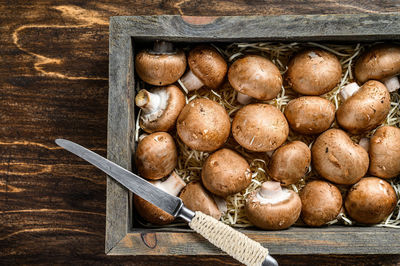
{"x":54,"y":83}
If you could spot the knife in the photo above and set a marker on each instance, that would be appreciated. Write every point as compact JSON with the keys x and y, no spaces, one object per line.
{"x":231,"y":241}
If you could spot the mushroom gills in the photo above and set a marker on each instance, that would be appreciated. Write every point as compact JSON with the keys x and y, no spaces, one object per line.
{"x":221,"y":204}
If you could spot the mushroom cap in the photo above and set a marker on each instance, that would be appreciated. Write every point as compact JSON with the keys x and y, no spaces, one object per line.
{"x":208,"y":65}
{"x":156,"y":155}
{"x":255,"y":76}
{"x":290,"y":162}
{"x":160,"y":69}
{"x":365,"y":109}
{"x":321,"y":203}
{"x":381,"y":61}
{"x":338,"y":159}
{"x":203,"y":125}
{"x":166,"y":121}
{"x":310,"y":114}
{"x":384,"y":152}
{"x":151,"y":213}
{"x":314,"y":72}
{"x":260,"y":127}
{"x":370,"y":201}
{"x":196,"y":198}
{"x":276,"y":215}
{"x":225,"y":172}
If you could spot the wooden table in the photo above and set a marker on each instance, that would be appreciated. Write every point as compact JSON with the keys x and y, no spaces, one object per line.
{"x":54,"y":83}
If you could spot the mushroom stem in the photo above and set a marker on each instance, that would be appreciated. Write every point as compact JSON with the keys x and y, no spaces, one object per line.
{"x":272,"y":192}
{"x":243,"y":98}
{"x":151,"y":102}
{"x":191,"y":81}
{"x":392,"y":83}
{"x":349,"y":90}
{"x":172,"y":185}
{"x":163,"y":47}
{"x":364,"y":142}
{"x":221,"y":204}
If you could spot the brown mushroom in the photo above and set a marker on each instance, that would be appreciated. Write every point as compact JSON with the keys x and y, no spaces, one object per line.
{"x":310,"y":114}
{"x":384,"y":152}
{"x":381,"y":62}
{"x":370,"y":201}
{"x":225,"y":172}
{"x":273,"y":207}
{"x":365,"y":109}
{"x":203,"y":125}
{"x":255,"y":77}
{"x":163,"y":65}
{"x":260,"y":127}
{"x":338,"y":159}
{"x":321,"y":203}
{"x":156,"y":155}
{"x":290,"y":163}
{"x":207,"y":68}
{"x":160,"y":108}
{"x":196,"y":198}
{"x":314,"y":72}
{"x":172,"y":185}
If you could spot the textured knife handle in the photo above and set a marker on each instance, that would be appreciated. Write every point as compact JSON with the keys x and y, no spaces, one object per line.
{"x":236,"y":244}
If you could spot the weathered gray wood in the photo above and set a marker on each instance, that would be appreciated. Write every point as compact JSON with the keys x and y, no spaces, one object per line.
{"x":349,"y":27}
{"x":120,"y":129}
{"x":295,"y":241}
{"x":121,"y":239}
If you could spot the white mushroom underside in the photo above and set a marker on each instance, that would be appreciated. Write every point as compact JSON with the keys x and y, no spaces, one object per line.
{"x":392,"y":83}
{"x":156,"y":105}
{"x":273,"y":197}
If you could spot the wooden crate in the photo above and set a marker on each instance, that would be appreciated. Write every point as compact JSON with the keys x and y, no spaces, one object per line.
{"x":127,"y":32}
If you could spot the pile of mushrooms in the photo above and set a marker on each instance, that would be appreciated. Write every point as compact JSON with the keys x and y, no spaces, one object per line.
{"x":350,"y":168}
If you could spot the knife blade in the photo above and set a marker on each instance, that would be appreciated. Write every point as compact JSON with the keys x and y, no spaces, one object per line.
{"x":174,"y":206}
{"x":131,"y":181}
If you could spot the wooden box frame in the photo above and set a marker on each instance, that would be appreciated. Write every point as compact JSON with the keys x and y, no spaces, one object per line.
{"x":121,"y":238}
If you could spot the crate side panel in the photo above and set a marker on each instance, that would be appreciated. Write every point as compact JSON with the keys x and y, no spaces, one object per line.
{"x":120,"y":128}
{"x":295,"y":241}
{"x":349,"y":27}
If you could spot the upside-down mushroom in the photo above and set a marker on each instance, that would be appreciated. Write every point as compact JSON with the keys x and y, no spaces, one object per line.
{"x":273,"y":207}
{"x":160,"y":108}
{"x":163,"y":65}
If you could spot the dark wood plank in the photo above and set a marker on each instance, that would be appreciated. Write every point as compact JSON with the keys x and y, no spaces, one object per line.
{"x":54,"y":83}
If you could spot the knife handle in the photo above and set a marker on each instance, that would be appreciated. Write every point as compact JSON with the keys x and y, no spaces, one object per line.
{"x":233,"y":242}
